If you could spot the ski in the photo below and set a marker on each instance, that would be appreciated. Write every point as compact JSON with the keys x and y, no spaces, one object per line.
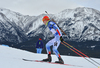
{"x":50,"y":62}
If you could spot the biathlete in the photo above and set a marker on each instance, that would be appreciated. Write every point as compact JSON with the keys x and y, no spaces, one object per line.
{"x":55,"y":42}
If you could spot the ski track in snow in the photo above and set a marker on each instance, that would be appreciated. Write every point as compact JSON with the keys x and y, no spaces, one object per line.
{"x":12,"y":58}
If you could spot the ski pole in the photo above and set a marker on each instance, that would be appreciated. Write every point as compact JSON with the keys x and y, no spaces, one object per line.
{"x":72,"y":50}
{"x":94,"y":61}
{"x":72,"y":46}
{"x":79,"y":54}
{"x":75,"y":49}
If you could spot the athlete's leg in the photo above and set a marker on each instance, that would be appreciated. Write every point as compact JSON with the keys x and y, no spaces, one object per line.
{"x":50,"y":43}
{"x":55,"y":47}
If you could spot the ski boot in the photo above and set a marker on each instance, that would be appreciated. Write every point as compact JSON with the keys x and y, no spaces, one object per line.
{"x":49,"y":59}
{"x":60,"y":61}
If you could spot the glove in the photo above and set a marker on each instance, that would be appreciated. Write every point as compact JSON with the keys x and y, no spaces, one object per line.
{"x":61,"y":39}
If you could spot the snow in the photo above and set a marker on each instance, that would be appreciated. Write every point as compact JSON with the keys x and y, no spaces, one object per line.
{"x":12,"y":58}
{"x":68,"y":19}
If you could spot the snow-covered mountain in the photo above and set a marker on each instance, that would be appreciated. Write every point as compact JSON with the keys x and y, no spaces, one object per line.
{"x":79,"y":24}
{"x":10,"y":30}
{"x":12,"y":58}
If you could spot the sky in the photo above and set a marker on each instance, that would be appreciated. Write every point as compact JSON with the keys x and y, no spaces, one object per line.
{"x":37,"y":7}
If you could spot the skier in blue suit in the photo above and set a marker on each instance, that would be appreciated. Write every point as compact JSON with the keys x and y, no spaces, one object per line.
{"x":39,"y":46}
{"x":55,"y":41}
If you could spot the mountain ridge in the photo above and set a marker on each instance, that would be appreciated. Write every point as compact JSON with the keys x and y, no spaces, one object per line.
{"x":79,"y":20}
{"x":80,"y":24}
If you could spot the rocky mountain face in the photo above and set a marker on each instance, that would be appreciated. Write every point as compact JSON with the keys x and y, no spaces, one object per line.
{"x":10,"y":31}
{"x":80,"y":24}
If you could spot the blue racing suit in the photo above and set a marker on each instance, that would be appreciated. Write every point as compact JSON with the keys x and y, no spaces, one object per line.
{"x":56,"y":40}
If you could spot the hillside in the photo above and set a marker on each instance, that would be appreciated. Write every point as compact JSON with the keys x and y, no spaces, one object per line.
{"x":82,"y":26}
{"x":12,"y":58}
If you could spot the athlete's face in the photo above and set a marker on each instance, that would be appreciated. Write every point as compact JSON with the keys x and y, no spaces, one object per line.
{"x":45,"y":21}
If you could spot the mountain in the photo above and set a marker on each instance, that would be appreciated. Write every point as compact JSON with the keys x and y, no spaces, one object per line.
{"x":82,"y":26}
{"x":12,"y":58}
{"x":79,"y":24}
{"x":10,"y":30}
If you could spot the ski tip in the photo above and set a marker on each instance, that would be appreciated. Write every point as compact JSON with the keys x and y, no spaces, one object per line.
{"x":99,"y":67}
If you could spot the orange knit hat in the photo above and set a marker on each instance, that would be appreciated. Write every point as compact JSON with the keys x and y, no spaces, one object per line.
{"x":45,"y":18}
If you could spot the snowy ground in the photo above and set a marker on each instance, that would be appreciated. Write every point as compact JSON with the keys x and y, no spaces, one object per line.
{"x":12,"y":58}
